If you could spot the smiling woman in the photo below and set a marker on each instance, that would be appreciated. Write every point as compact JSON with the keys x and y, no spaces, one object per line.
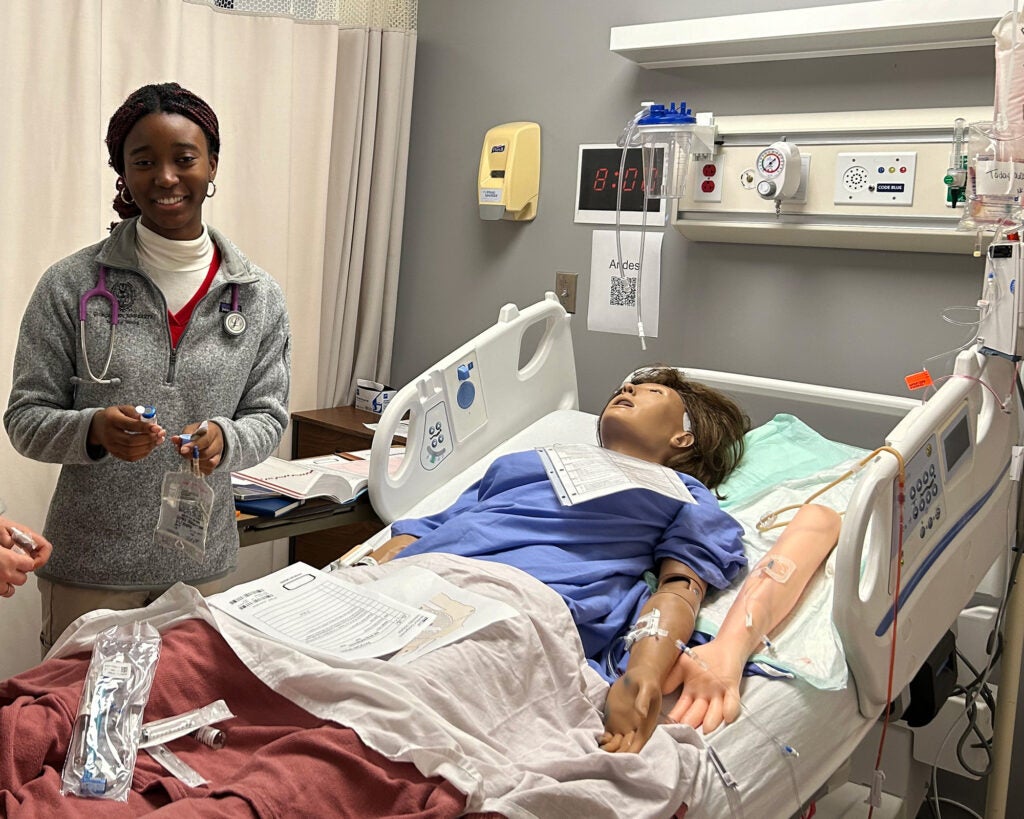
{"x":168,"y":170}
{"x":183,"y":322}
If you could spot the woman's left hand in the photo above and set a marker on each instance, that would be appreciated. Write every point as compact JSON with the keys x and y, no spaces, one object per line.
{"x":631,"y":712}
{"x":208,"y":438}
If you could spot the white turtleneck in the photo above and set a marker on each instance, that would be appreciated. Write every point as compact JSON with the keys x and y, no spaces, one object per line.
{"x":178,"y":267}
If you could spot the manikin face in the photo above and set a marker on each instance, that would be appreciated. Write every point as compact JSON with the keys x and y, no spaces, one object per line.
{"x":645,"y":421}
{"x":168,"y":168}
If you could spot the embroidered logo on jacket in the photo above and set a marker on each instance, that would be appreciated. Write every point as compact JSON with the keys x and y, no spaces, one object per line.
{"x":124,"y":292}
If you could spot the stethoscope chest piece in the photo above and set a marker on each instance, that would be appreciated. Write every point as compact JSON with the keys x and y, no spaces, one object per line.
{"x":234,"y":323}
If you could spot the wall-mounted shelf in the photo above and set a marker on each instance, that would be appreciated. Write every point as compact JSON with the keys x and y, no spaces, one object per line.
{"x":873,"y":27}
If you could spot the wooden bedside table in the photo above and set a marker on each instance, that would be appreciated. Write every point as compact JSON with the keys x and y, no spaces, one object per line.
{"x":321,"y":432}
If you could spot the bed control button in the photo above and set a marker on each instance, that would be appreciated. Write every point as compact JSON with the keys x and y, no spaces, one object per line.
{"x":922,"y":530}
{"x":466,"y":394}
{"x":913,"y":492}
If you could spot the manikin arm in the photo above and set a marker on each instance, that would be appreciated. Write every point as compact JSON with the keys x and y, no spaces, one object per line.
{"x":634,"y":700}
{"x":390,"y":549}
{"x":711,"y":682}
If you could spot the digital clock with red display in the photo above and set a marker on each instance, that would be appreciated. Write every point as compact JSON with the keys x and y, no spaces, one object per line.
{"x":600,"y":178}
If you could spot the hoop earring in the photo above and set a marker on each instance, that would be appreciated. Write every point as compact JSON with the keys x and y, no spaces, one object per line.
{"x":126,"y":199}
{"x":208,"y":194}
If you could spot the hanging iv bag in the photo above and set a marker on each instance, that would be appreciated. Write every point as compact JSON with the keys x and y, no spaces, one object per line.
{"x":994,"y":151}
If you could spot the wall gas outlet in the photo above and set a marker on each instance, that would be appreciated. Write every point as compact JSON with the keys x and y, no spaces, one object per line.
{"x":565,"y":289}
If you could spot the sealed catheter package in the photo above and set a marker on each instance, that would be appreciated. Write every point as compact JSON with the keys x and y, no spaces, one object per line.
{"x":105,"y":740}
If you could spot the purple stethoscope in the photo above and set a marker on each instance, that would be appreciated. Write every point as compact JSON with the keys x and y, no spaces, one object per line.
{"x":234,"y":325}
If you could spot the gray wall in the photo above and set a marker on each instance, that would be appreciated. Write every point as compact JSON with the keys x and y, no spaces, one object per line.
{"x":857,"y":319}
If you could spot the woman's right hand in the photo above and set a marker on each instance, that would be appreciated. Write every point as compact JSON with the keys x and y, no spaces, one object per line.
{"x":16,"y":564}
{"x":122,"y":433}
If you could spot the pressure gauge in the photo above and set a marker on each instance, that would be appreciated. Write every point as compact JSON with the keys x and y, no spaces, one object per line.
{"x":780,"y":169}
{"x":770,"y":162}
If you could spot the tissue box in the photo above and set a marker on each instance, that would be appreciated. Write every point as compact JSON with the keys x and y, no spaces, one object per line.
{"x":371,"y":396}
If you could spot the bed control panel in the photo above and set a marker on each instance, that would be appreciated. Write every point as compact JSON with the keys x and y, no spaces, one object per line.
{"x":923,"y":507}
{"x":465,"y":390}
{"x":927,"y":474}
{"x":437,"y":436}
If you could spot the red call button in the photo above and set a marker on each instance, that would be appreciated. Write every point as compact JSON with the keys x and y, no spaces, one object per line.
{"x":709,"y":170}
{"x":708,"y":185}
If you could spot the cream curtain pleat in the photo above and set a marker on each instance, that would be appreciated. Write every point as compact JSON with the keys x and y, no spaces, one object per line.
{"x":314,"y":100}
{"x":365,"y":210}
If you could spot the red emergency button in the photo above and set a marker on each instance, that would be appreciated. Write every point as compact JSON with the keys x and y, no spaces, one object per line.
{"x":708,"y":185}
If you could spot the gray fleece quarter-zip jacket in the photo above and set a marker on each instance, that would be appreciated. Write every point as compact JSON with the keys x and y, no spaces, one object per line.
{"x":104,"y":511}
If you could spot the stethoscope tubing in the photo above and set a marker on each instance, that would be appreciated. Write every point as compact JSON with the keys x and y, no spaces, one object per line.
{"x":102,"y":291}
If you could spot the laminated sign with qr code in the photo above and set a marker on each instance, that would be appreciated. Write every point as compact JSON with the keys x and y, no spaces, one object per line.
{"x":613,"y":289}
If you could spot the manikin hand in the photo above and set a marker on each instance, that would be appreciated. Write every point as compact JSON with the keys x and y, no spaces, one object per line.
{"x":631,"y":712}
{"x":711,"y":687}
{"x":122,"y":433}
{"x":208,"y":438}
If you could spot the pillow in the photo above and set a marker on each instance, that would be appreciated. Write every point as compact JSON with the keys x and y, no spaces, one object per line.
{"x":782,"y":449}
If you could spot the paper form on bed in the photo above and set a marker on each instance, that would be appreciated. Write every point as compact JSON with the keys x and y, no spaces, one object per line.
{"x":322,"y":614}
{"x":582,"y":472}
{"x":458,"y":612}
{"x":329,"y":476}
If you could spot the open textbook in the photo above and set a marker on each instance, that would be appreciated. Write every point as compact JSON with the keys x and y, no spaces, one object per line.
{"x":323,"y":476}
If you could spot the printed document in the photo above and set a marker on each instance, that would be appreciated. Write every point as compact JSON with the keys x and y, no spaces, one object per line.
{"x":321,"y":614}
{"x":582,"y":472}
{"x":457,"y":612}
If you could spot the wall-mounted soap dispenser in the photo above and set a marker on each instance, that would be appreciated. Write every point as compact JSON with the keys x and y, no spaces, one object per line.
{"x":509,"y":183}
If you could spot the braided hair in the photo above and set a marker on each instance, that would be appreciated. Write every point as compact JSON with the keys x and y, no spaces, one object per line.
{"x":166,"y":98}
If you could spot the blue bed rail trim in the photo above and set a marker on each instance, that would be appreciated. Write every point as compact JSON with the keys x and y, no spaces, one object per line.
{"x":939,"y":548}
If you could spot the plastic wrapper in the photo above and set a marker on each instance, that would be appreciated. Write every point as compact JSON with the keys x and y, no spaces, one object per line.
{"x":105,"y":740}
{"x":186,"y":503}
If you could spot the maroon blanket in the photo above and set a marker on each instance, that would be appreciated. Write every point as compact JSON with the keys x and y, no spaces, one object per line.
{"x":280,"y":761}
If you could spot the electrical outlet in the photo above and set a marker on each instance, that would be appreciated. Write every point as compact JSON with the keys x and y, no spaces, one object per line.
{"x":565,"y":289}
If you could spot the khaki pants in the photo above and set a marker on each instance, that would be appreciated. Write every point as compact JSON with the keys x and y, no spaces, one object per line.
{"x":63,"y":604}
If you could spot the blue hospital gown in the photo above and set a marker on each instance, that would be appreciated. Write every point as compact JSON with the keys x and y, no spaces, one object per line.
{"x":593,"y":554}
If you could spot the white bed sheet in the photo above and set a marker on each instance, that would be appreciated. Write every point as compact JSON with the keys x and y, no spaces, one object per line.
{"x":510,"y":717}
{"x":824,"y":727}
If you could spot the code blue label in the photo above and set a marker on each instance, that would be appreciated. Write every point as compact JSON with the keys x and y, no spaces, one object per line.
{"x":891,"y":187}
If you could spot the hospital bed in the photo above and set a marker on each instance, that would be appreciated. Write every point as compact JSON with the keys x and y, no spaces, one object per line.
{"x":505,"y":390}
{"x":509,"y":716}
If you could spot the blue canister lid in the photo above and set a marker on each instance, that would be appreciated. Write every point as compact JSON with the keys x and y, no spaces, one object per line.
{"x":660,"y":115}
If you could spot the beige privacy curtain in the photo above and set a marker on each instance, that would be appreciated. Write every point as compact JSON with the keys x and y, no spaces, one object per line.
{"x":313,"y":99}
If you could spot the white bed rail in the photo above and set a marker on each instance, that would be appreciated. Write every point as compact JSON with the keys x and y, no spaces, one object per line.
{"x":467,"y":404}
{"x":959,"y":508}
{"x":834,"y":397}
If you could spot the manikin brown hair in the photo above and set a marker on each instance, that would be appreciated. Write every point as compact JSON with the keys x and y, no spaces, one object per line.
{"x":716,"y":423}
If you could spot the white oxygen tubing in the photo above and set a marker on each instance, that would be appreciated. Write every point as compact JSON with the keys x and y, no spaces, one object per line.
{"x":630,"y":131}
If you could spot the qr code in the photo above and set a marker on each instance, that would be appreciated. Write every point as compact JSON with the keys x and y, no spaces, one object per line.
{"x":623,"y":292}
